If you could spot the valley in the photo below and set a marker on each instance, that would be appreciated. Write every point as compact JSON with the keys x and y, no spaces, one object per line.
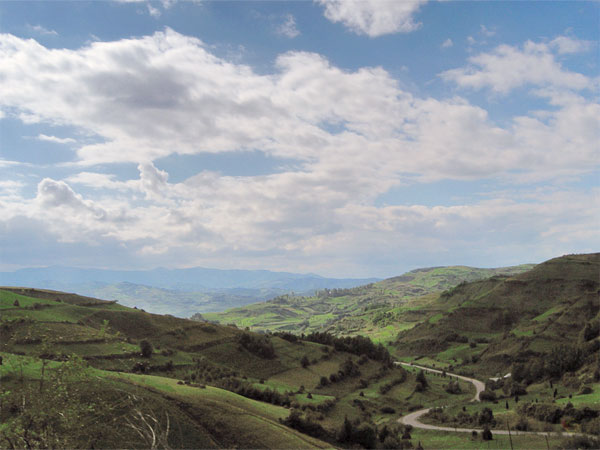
{"x":468,"y":356}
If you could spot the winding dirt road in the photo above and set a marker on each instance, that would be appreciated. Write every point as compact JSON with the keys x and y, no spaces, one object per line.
{"x":413,"y":418}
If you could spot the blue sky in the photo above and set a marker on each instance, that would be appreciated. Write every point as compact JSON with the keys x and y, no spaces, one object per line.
{"x":346,"y":138}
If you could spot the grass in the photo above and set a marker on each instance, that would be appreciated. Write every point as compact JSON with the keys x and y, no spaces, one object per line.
{"x":252,"y":423}
{"x":445,"y":440}
{"x":592,"y":400}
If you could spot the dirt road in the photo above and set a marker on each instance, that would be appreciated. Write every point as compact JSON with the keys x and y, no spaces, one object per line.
{"x":413,"y":418}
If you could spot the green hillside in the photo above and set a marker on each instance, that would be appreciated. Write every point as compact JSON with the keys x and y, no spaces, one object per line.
{"x":75,"y":368}
{"x":490,"y":325}
{"x":77,"y":372}
{"x":379,"y":310}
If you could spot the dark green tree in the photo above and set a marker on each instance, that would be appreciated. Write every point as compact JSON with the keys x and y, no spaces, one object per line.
{"x":146,"y":348}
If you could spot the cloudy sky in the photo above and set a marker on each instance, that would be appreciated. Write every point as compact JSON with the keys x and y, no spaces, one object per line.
{"x":345,"y":138}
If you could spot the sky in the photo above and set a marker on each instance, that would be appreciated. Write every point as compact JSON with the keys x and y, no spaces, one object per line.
{"x":338,"y":137}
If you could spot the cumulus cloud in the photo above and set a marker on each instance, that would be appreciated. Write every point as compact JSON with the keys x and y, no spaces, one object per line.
{"x":353,"y":136}
{"x":508,"y":67}
{"x":374,"y":17}
{"x":566,"y":45}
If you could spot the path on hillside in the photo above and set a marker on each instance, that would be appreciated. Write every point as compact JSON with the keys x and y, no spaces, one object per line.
{"x":413,"y":418}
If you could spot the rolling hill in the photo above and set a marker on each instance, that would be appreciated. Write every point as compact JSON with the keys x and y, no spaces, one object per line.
{"x":379,"y":310}
{"x":496,"y":322}
{"x":95,"y":366}
{"x":79,"y":372}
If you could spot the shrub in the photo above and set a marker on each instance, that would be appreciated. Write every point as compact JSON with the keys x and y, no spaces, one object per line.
{"x":384,"y":389}
{"x":486,"y":434}
{"x":258,"y":345}
{"x":487,"y":396}
{"x":388,"y":410}
{"x":486,"y":416}
{"x":522,"y":424}
{"x":581,"y":442}
{"x":453,"y":387}
{"x":421,"y":378}
{"x":146,"y":348}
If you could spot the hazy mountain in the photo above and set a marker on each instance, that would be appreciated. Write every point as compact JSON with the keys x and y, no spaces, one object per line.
{"x":180,"y":292}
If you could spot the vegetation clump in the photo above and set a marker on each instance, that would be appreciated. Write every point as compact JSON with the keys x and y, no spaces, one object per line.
{"x":358,"y":345}
{"x":146,"y":348}
{"x":258,"y":345}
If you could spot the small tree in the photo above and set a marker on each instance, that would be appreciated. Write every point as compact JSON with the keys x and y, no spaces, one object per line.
{"x":305,"y":362}
{"x":486,"y":434}
{"x":16,"y":303}
{"x":421,"y":378}
{"x":146,"y":348}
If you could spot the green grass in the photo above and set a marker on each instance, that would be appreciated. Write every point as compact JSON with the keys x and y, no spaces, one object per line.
{"x":254,"y":423}
{"x":445,"y":440}
{"x":592,"y":400}
{"x":7,"y":300}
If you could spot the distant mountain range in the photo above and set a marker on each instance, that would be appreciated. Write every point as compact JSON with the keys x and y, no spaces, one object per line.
{"x":180,"y":292}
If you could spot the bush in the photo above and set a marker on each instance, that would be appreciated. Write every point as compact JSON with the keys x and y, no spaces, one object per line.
{"x":487,"y":396}
{"x":258,"y":345}
{"x":486,"y":416}
{"x":146,"y":349}
{"x":580,"y":442}
{"x":384,"y":389}
{"x":486,"y":434}
{"x":522,"y":424}
{"x":421,"y":382}
{"x":453,"y":387}
{"x":388,"y":410}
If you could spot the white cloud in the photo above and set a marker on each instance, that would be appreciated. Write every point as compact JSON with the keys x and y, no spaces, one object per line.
{"x":42,"y":30}
{"x":487,"y":32}
{"x":566,"y":44}
{"x":175,"y":97}
{"x":56,"y":140}
{"x":374,"y":17}
{"x":447,"y":43}
{"x":288,"y":27}
{"x":508,"y":67}
{"x":154,"y":12}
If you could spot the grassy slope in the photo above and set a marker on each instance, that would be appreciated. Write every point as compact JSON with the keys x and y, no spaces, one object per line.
{"x":107,"y":335}
{"x":205,"y":418}
{"x":379,"y":310}
{"x":529,"y":313}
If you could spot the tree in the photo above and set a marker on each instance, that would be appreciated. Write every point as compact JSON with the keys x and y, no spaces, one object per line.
{"x":345,"y":434}
{"x":486,"y":434}
{"x":421,"y":382}
{"x":486,"y":416}
{"x":146,"y":348}
{"x":305,"y":362}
